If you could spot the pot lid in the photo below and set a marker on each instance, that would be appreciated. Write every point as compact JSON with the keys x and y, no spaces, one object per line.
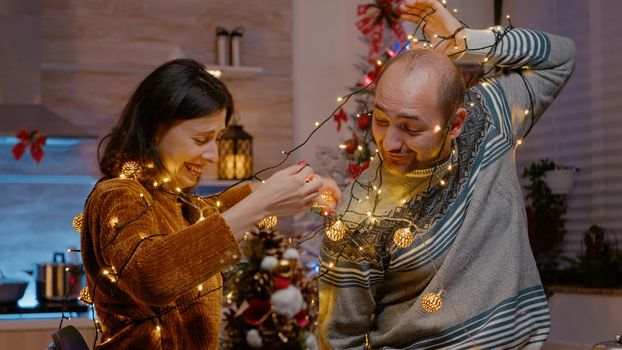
{"x":9,"y":280}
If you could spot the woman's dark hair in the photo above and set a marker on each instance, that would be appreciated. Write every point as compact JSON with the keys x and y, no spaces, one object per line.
{"x":177,"y":90}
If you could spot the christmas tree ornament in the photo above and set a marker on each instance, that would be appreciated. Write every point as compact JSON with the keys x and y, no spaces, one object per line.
{"x":403,"y":237}
{"x":431,"y":302}
{"x":268,"y":223}
{"x":78,"y":222}
{"x":336,"y":231}
{"x":284,"y":268}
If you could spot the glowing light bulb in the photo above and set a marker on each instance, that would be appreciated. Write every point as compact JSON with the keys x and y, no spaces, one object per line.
{"x":455,"y":10}
{"x":336,"y":231}
{"x":471,"y":104}
{"x":403,"y":237}
{"x":519,"y":142}
{"x":218,"y":204}
{"x":437,"y":128}
{"x":331,"y":265}
{"x":443,"y":182}
{"x":177,"y":189}
{"x":379,"y":62}
{"x":360,"y":148}
{"x":339,"y":99}
{"x":526,"y":111}
{"x":317,"y":124}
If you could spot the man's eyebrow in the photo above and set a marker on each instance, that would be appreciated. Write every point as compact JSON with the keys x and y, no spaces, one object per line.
{"x":400,"y":115}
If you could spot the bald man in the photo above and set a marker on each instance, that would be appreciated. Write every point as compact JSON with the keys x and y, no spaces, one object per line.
{"x":438,"y":256}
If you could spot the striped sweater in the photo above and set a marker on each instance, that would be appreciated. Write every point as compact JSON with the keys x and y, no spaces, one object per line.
{"x":474,"y":248}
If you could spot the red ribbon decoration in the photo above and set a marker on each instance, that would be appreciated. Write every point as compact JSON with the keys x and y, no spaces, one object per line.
{"x":375,"y":16}
{"x":355,"y":170}
{"x":339,"y":117}
{"x":34,"y":139}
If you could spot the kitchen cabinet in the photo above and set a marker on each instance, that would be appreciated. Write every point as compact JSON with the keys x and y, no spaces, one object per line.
{"x":36,"y":334}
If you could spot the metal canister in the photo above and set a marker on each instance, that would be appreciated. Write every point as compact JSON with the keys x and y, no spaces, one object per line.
{"x":222,"y":49}
{"x":236,"y":37}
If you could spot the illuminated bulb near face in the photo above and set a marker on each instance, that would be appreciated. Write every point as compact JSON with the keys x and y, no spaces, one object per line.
{"x":218,"y":204}
{"x":455,"y":10}
{"x":360,"y":148}
{"x":129,"y":168}
{"x":379,"y":62}
{"x":166,"y":180}
{"x":336,"y":231}
{"x":155,"y":184}
{"x":443,"y":182}
{"x":456,"y":48}
{"x":403,"y":237}
{"x":375,"y":188}
{"x":331,"y":265}
{"x":371,"y":158}
{"x":526,"y":111}
{"x":342,"y":146}
{"x":410,"y":37}
{"x":339,"y":99}
{"x":431,"y":302}
{"x":283,"y":152}
{"x":519,"y":142}
{"x":437,"y":128}
{"x":449,"y":167}
{"x":200,"y":287}
{"x":415,"y":40}
{"x":177,"y":189}
{"x":471,"y":104}
{"x":379,"y":191}
{"x":158,"y":328}
{"x":436,"y":35}
{"x":317,"y":124}
{"x":444,"y":2}
{"x":263,"y":181}
{"x":485,"y":59}
{"x":507,"y":16}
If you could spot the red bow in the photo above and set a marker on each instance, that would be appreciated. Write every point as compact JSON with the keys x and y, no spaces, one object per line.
{"x":355,"y":170}
{"x":339,"y":117}
{"x":32,"y":138}
{"x":375,"y":17}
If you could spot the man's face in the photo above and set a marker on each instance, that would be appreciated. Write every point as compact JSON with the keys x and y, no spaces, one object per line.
{"x":407,"y":123}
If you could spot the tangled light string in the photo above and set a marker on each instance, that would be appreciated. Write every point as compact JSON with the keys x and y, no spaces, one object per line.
{"x":335,"y":228}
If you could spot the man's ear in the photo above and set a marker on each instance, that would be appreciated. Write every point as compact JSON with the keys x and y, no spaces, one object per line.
{"x":457,"y":123}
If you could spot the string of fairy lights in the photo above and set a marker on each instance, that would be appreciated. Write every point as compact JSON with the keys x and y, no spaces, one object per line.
{"x":337,"y":227}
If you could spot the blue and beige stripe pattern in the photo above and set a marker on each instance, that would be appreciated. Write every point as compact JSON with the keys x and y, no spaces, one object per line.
{"x":474,"y":245}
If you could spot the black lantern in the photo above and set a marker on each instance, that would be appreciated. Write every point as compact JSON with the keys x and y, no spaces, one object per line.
{"x":235,"y":151}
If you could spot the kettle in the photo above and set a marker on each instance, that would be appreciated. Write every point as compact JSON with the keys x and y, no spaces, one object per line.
{"x":609,"y":345}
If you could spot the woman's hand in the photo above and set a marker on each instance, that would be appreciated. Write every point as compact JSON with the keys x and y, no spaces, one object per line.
{"x":434,"y":19}
{"x":287,"y":192}
{"x":330,"y":194}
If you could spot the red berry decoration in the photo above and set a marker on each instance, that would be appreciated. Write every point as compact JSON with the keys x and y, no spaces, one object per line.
{"x":363,"y":121}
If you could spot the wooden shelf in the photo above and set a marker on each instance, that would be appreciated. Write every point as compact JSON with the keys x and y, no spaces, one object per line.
{"x":236,"y":72}
{"x":228,"y":72}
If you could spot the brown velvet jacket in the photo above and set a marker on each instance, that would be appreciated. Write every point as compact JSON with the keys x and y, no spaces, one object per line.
{"x":158,"y":265}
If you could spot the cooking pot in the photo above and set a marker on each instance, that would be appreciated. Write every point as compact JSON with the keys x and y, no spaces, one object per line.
{"x":58,"y":280}
{"x":610,"y":345}
{"x":11,"y":289}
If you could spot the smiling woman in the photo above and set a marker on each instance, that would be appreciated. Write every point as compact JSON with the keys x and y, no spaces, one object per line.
{"x":152,"y":250}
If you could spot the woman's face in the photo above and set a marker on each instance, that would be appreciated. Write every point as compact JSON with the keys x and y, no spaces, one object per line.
{"x":189,"y":146}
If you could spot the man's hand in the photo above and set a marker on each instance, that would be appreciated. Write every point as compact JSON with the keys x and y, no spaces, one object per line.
{"x":436,"y":22}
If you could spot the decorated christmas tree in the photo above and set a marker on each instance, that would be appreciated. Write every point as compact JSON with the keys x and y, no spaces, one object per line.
{"x":271,"y":300}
